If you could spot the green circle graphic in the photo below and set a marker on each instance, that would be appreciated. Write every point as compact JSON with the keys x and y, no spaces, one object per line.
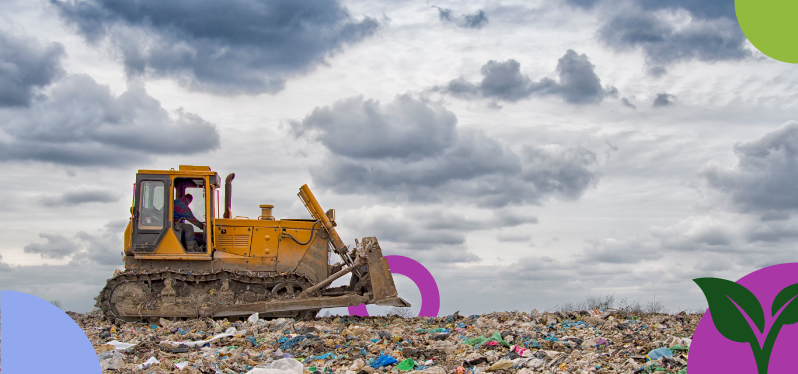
{"x":771,"y":26}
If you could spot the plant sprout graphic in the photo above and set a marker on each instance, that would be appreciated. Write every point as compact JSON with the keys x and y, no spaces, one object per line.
{"x":730,"y":303}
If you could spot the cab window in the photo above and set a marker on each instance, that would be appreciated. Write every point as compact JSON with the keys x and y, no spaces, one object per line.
{"x":151,"y":206}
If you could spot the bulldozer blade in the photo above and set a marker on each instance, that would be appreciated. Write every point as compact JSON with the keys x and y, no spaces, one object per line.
{"x":288,"y":305}
{"x":394,"y":301}
{"x":380,"y":273}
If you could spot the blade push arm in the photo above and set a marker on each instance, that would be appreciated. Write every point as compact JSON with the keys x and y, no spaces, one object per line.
{"x":318,"y":214}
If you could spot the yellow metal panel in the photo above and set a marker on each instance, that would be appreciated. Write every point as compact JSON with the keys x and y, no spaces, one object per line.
{"x":227,"y":255}
{"x":233,"y":239}
{"x":264,"y":244}
{"x":169,"y":245}
{"x":290,"y":251}
{"x":185,"y":256}
{"x":177,"y":172}
{"x":194,"y":168}
{"x":315,"y":261}
{"x":170,"y":249}
{"x":297,"y":224}
{"x":239,"y":222}
{"x":129,"y":237}
{"x":249,"y":263}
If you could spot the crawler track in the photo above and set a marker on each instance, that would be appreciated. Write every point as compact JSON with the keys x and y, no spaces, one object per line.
{"x":138,"y":295}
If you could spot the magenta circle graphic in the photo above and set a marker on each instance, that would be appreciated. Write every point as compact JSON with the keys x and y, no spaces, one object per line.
{"x":430,"y":297}
{"x":710,"y":352}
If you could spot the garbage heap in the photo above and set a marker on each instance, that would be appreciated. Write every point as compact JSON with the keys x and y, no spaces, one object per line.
{"x":503,"y":342}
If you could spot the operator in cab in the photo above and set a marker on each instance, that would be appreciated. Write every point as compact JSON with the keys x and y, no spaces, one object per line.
{"x":184,"y":230}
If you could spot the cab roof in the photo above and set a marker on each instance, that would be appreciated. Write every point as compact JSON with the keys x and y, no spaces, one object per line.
{"x":182,"y":170}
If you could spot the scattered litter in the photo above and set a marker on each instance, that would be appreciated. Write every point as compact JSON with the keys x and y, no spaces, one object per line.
{"x":584,"y":342}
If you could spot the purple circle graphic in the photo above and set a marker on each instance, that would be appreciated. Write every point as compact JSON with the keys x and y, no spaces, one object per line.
{"x":430,"y":297}
{"x":710,"y":352}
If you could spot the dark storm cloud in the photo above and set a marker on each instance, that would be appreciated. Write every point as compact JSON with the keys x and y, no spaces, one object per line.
{"x":688,"y":237}
{"x":407,"y":232}
{"x":424,"y":157}
{"x":25,"y":68}
{"x":57,"y":247}
{"x":404,"y":128}
{"x":711,"y":34}
{"x":475,"y":166}
{"x":708,"y":9}
{"x":585,"y":4}
{"x":102,"y":248}
{"x":396,"y":229}
{"x":764,"y":179}
{"x":657,"y":71}
{"x":503,"y":80}
{"x":423,"y":231}
{"x":772,"y":233}
{"x":578,"y":82}
{"x":446,"y":221}
{"x":83,"y":123}
{"x":707,"y":40}
{"x":469,"y":21}
{"x":233,"y":47}
{"x":663,"y":100}
{"x":79,"y":195}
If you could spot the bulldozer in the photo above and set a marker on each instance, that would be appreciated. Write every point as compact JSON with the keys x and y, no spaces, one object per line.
{"x":232,"y":267}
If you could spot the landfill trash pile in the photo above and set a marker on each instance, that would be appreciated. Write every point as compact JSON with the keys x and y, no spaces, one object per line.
{"x":503,"y":342}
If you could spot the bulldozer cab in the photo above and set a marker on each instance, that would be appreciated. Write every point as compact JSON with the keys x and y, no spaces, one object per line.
{"x":155,"y":225}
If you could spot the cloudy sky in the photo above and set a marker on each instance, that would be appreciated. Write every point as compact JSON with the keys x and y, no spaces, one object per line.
{"x":528,"y":153}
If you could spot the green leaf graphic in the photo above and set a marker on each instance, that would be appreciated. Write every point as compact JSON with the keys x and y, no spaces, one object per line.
{"x":731,"y":323}
{"x":727,"y":318}
{"x":790,"y":314}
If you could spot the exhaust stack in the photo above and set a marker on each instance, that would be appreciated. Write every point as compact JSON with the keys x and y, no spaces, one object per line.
{"x":228,"y":198}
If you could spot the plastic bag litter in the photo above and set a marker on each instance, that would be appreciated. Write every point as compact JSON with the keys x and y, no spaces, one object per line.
{"x":120,"y":346}
{"x":281,"y":366}
{"x":383,"y":360}
{"x":657,"y":353}
{"x":111,"y":360}
{"x":501,"y":365}
{"x":357,"y":365}
{"x":228,"y":333}
{"x":293,"y":342}
{"x":148,"y":363}
{"x":253,"y":318}
{"x":479,"y":341}
{"x":407,"y":364}
{"x":181,"y":365}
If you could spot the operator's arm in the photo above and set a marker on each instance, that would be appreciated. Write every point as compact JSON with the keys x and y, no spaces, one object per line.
{"x":183,"y":211}
{"x":194,"y":220}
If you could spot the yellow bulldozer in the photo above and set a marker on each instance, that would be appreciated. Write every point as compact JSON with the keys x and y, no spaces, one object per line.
{"x":234,"y":266}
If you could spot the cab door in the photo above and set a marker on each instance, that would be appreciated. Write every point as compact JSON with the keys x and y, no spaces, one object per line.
{"x":151,"y":218}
